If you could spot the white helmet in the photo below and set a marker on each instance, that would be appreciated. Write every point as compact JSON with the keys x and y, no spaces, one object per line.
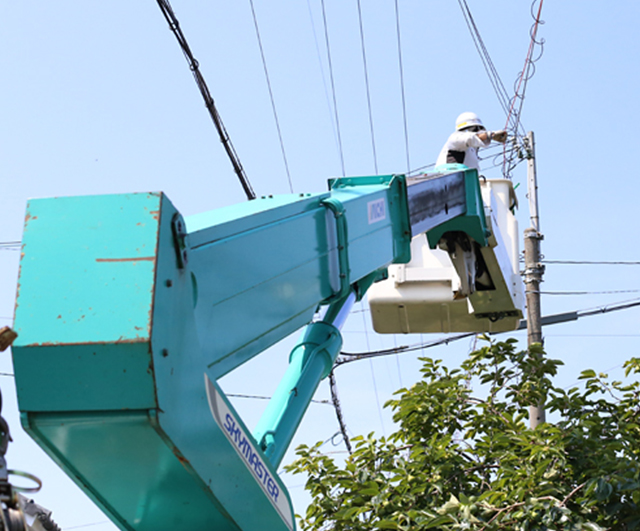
{"x":468,"y":119}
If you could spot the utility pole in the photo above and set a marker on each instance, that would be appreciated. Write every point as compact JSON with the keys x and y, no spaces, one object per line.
{"x":533,"y":269}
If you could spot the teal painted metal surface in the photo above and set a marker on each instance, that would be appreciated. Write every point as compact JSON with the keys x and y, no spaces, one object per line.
{"x":122,"y":266}
{"x":395,"y":208}
{"x":128,"y":413}
{"x":122,"y":338}
{"x":310,"y":361}
{"x":473,"y":223}
{"x":292,"y":252}
{"x":87,"y":304}
{"x":127,"y":315}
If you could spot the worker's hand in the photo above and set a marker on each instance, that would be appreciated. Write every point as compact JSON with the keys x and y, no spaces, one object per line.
{"x":499,"y":136}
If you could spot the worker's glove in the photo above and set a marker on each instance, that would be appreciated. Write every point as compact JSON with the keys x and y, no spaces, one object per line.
{"x":499,"y":136}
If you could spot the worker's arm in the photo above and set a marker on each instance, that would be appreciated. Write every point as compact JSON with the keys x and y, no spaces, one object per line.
{"x":488,"y":136}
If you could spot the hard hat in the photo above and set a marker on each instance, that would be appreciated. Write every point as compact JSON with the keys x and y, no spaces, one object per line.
{"x":468,"y":119}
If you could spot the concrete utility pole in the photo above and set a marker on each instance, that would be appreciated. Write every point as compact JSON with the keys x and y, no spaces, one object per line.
{"x":533,"y":270}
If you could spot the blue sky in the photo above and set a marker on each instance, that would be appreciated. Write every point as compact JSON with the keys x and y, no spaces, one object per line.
{"x":97,"y":98}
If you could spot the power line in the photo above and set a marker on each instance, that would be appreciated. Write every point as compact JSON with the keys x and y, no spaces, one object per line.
{"x":487,"y":62}
{"x":322,"y":73}
{"x":336,"y":405}
{"x":366,"y":81}
{"x":587,"y":262}
{"x":10,"y":246}
{"x":333,"y":87}
{"x":527,"y":73}
{"x":261,"y":397}
{"x":273,"y":103}
{"x":89,"y":525}
{"x":348,"y":357}
{"x":174,"y":25}
{"x":510,"y":158}
{"x":404,"y":106}
{"x":373,"y":374}
{"x":589,"y":292}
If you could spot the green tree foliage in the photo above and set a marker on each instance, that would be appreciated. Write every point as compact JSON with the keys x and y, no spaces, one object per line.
{"x":461,"y":462}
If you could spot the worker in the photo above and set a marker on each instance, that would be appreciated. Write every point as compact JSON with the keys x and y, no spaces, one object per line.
{"x":470,"y":135}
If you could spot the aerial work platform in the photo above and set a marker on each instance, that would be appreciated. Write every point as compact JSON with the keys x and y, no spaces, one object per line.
{"x":427,"y":295}
{"x":128,"y":314}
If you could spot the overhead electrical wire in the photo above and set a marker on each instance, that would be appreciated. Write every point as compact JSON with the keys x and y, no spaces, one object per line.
{"x":373,"y":373}
{"x":260,"y":397}
{"x":273,"y":103}
{"x":586,"y":262}
{"x":333,"y":86}
{"x":402,"y":91}
{"x":529,"y":66}
{"x":487,"y":62}
{"x":366,"y":81}
{"x":338,"y":409}
{"x":322,"y":73}
{"x":519,"y":150}
{"x":174,"y":25}
{"x":348,"y":357}
{"x":528,"y":70}
{"x":589,"y":292}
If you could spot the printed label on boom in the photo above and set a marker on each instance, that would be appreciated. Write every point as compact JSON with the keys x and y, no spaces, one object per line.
{"x":377,"y":210}
{"x":243,"y":444}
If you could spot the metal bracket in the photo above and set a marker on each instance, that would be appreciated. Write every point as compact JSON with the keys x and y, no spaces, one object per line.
{"x":343,"y":241}
{"x":179,"y":231}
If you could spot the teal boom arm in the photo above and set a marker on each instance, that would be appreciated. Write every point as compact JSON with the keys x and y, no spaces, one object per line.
{"x":127,"y":314}
{"x":311,"y":360}
{"x":288,"y":254}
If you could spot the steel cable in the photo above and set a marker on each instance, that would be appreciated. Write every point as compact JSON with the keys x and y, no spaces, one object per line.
{"x":404,"y":105}
{"x":273,"y":103}
{"x":174,"y":25}
{"x":366,"y":80}
{"x":333,"y":87}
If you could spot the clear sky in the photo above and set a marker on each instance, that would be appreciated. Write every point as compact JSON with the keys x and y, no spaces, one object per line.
{"x":97,"y":98}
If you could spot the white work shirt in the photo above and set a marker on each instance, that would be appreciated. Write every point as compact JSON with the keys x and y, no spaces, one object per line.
{"x":466,"y":142}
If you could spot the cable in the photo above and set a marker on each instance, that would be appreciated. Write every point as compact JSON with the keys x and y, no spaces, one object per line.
{"x":366,"y":81}
{"x":524,"y":76}
{"x":273,"y":103}
{"x":174,"y":25}
{"x":324,"y":79}
{"x":487,"y":63}
{"x":333,"y":87}
{"x":527,"y":73}
{"x":608,"y":309}
{"x":348,"y":357}
{"x":404,"y":106}
{"x":421,"y":169}
{"x":10,"y":246}
{"x":260,"y":397}
{"x":373,"y":373}
{"x":589,"y":292}
{"x":586,"y":262}
{"x":89,"y":525}
{"x":338,"y":409}
{"x":510,"y":158}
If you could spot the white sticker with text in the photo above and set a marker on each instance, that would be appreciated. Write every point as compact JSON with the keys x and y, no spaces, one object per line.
{"x":377,"y":210}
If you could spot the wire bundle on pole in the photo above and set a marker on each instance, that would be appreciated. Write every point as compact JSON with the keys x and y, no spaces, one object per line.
{"x":518,"y":150}
{"x":523,"y":78}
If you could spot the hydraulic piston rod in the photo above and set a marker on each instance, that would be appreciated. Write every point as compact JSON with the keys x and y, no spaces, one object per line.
{"x":311,"y":360}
